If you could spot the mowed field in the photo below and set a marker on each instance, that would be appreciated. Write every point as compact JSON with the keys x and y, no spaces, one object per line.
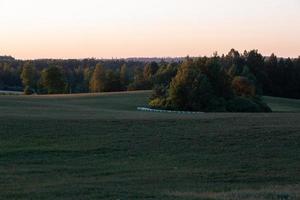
{"x":101,"y":147}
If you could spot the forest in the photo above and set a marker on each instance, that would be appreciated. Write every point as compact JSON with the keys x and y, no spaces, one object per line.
{"x":247,"y":74}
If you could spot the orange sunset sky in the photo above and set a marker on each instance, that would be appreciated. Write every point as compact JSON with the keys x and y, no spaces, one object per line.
{"x":33,"y":29}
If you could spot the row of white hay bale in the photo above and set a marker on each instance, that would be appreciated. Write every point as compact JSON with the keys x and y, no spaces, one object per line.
{"x":6,"y":92}
{"x":166,"y":111}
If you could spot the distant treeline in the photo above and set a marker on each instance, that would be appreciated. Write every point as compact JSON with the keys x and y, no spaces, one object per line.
{"x":271,"y":75}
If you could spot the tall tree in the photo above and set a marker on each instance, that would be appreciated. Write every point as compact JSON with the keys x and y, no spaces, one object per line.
{"x":87,"y":76}
{"x":191,"y":89}
{"x":233,"y":58}
{"x":255,"y":62}
{"x":28,"y":77}
{"x":98,"y":80}
{"x":70,"y":78}
{"x":165,"y":73}
{"x":124,"y":77}
{"x":112,"y":81}
{"x":139,"y":82}
{"x":53,"y":81}
{"x":149,"y":70}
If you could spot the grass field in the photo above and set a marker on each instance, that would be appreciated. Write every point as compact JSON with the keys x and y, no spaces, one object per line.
{"x":283,"y":105}
{"x":101,"y":147}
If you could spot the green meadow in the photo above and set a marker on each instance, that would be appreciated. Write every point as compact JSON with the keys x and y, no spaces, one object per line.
{"x":98,"y":146}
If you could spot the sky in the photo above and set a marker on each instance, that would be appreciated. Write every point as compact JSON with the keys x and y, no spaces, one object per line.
{"x":31,"y":29}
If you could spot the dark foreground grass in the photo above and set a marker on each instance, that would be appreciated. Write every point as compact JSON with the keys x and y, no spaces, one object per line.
{"x":62,"y":148}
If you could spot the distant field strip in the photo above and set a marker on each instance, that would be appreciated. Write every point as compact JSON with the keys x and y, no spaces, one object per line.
{"x":5,"y":92}
{"x":166,"y":111}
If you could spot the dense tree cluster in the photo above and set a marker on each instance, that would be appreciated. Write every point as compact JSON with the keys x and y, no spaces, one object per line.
{"x":181,"y":81}
{"x":203,"y":84}
{"x":272,"y":76}
{"x":75,"y":76}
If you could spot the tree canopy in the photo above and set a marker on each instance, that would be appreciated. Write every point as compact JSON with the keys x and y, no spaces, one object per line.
{"x":202,"y":84}
{"x":52,"y":80}
{"x":98,"y":79}
{"x":28,"y":77}
{"x":270,"y":75}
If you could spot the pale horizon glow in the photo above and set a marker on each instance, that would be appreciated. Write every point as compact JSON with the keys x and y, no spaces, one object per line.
{"x":32,"y":29}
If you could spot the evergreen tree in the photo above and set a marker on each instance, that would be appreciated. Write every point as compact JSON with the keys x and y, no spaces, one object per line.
{"x":87,"y":76}
{"x":112,"y":83}
{"x":53,"y":81}
{"x":124,"y":77}
{"x":150,"y":70}
{"x":139,"y":82}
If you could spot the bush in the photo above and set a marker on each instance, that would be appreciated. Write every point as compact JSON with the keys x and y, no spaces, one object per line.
{"x":243,"y":86}
{"x":157,"y":103}
{"x":262,"y":105}
{"x":28,"y":91}
{"x":217,"y":105}
{"x":242,"y":104}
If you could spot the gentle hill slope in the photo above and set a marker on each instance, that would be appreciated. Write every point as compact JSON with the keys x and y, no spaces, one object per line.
{"x":282,"y":104}
{"x":120,"y":105}
{"x":100,"y":147}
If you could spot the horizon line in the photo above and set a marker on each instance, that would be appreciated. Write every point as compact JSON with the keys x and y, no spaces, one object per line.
{"x":138,"y":57}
